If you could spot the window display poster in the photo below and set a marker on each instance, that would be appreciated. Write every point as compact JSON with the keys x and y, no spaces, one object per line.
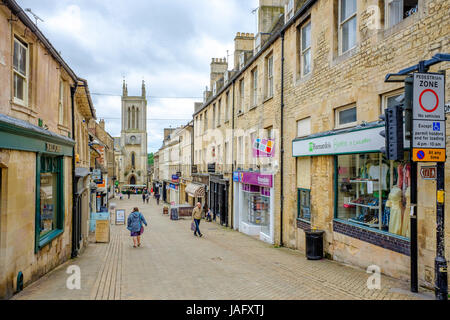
{"x":120,"y":216}
{"x":263,"y":148}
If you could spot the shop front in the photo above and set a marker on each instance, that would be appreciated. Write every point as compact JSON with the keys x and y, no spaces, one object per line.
{"x":35,"y":177}
{"x":174,"y":189}
{"x":218,"y":198}
{"x":254,"y":204}
{"x":370,"y":196}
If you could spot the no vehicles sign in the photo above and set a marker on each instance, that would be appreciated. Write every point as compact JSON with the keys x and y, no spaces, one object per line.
{"x":429,"y":97}
{"x":429,"y":136}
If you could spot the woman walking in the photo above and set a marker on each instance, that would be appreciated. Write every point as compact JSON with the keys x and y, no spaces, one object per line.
{"x":134,"y":224}
{"x":197,"y":216}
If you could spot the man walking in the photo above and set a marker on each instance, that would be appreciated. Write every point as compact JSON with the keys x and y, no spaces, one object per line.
{"x":157,"y":198}
{"x":197,"y":216}
{"x":143,"y":196}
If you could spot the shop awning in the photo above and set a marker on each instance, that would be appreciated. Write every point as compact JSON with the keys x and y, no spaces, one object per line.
{"x":195,"y":190}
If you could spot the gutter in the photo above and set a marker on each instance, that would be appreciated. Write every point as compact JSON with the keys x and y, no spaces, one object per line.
{"x":282,"y":141}
{"x":17,"y":10}
{"x":75,"y":237}
{"x":268,"y":43}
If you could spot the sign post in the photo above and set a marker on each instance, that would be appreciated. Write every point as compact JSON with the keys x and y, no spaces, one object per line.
{"x":429,"y":145}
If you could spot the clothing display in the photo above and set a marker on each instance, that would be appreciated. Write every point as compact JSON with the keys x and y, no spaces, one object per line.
{"x":374,"y":192}
{"x":395,"y":204}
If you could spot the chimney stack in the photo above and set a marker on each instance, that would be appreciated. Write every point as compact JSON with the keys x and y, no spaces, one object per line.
{"x":218,"y":68}
{"x":242,"y":42}
{"x":268,"y":13}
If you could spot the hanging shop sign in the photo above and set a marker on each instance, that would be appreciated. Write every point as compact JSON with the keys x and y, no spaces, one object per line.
{"x":173,"y":186}
{"x":263,"y":148}
{"x":429,"y":140}
{"x":175,"y":178}
{"x":357,"y":141}
{"x":428,"y":173}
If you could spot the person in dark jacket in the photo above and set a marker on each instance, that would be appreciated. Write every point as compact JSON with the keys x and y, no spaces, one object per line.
{"x":134,"y":224}
{"x":157,"y":198}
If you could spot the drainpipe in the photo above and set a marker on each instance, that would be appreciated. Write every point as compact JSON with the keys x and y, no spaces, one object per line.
{"x":232,"y":154}
{"x":74,"y":222}
{"x":282,"y":141}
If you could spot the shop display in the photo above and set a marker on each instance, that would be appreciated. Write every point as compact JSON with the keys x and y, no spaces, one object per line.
{"x":374,"y":192}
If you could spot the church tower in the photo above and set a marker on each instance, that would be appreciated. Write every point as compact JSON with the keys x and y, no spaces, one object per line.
{"x":133,"y":140}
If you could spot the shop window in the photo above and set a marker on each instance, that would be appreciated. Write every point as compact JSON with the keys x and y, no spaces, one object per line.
{"x":20,"y":71}
{"x":256,"y":209}
{"x":397,"y":10}
{"x":304,"y":204}
{"x":346,"y":116}
{"x":347,"y":25}
{"x":374,"y":192}
{"x":50,"y":207}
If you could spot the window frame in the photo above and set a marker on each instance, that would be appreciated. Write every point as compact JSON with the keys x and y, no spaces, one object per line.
{"x":304,"y":51}
{"x":241,"y":96}
{"x":306,"y":134}
{"x":337,"y":117}
{"x":342,"y":23}
{"x":387,"y":12}
{"x":270,"y":76}
{"x":61,"y":102}
{"x":42,"y":241}
{"x":387,"y":95}
{"x":255,"y":87}
{"x":25,"y":77}
{"x":300,"y":207}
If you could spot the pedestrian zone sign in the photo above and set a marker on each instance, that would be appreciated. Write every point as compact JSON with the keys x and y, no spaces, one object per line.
{"x":428,"y":131}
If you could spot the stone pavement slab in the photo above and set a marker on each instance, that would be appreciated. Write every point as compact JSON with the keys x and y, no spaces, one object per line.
{"x":224,"y":264}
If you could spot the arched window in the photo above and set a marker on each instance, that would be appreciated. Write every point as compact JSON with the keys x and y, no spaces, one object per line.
{"x":129,"y":118}
{"x":137,"y":118}
{"x":133,"y":119}
{"x":133,"y":160}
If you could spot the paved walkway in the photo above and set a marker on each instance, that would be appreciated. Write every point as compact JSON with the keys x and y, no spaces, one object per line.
{"x":224,"y":264}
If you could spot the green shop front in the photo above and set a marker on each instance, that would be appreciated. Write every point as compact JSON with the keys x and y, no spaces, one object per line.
{"x":36,"y":173}
{"x":368,"y":196}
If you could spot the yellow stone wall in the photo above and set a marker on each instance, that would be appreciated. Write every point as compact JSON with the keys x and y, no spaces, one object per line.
{"x":17,"y":222}
{"x":17,"y":212}
{"x":358,"y":77}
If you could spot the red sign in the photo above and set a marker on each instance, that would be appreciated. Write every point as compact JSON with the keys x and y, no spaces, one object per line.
{"x":428,"y":173}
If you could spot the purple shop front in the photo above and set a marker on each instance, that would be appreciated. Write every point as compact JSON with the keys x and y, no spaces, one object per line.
{"x":256,"y":179}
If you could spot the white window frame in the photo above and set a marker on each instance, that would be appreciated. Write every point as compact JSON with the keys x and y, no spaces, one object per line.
{"x":25,"y":77}
{"x":341,"y":24}
{"x":241,"y":95}
{"x":387,"y":12}
{"x":307,"y":129}
{"x":214,"y":116}
{"x":255,"y":87}
{"x":304,"y":51}
{"x":386,"y":96}
{"x":219,"y":106}
{"x":270,"y":88}
{"x":227,"y":106}
{"x":61,"y":102}
{"x":337,"y":113}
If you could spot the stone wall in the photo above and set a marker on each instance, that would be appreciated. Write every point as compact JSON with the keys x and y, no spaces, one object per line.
{"x":357,"y":76}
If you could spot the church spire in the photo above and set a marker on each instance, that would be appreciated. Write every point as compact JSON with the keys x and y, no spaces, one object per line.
{"x":124,"y":89}
{"x":143,"y":89}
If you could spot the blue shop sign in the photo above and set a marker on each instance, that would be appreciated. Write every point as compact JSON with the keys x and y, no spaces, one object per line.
{"x":236,"y":176}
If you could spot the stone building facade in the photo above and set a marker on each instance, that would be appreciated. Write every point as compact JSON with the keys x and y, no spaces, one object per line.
{"x":133,"y":159}
{"x":36,"y":152}
{"x":324,"y":64}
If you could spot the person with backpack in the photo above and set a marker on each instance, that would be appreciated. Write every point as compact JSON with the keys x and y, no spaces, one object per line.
{"x":134,"y":224}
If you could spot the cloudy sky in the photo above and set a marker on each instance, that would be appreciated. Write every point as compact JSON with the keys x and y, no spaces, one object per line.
{"x":168,"y":43}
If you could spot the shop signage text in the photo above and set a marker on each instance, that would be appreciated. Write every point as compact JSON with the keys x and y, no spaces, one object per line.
{"x":365,"y":140}
{"x":263,"y":148}
{"x":51,"y":147}
{"x":428,"y":129}
{"x":254,"y":178}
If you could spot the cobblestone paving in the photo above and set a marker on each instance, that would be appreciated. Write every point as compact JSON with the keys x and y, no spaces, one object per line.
{"x":224,"y":264}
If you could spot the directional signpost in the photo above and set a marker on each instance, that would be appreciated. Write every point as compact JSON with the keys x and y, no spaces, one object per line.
{"x":428,"y":118}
